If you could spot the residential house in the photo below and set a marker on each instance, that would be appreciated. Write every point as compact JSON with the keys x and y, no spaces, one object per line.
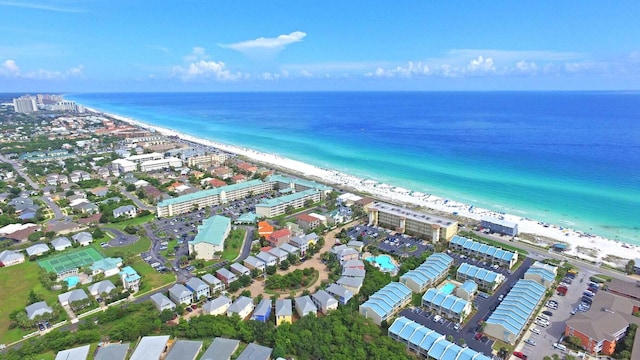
{"x":353,"y":272}
{"x":72,"y":296}
{"x":353,"y":264}
{"x":61,"y":243}
{"x":265,"y":229}
{"x":130,"y":278}
{"x":83,"y":238}
{"x":254,"y":351}
{"x":284,"y":311}
{"x":217,"y":306}
{"x":240,"y":269}
{"x":345,"y":253}
{"x":353,"y":284}
{"x":179,"y":294}
{"x":300,"y":243}
{"x":340,"y":293}
{"x":239,"y":178}
{"x":221,"y":349}
{"x":214,"y":283}
{"x":10,"y":257}
{"x":150,"y":348}
{"x":324,"y":302}
{"x":162,"y":302}
{"x":280,"y":254}
{"x":126,"y":210}
{"x":184,"y":350}
{"x":243,"y":306}
{"x":308,"y":222}
{"x":110,"y":351}
{"x":253,"y":262}
{"x":198,"y":287}
{"x":78,"y":353}
{"x":102,"y":287}
{"x":226,"y":276}
{"x":305,"y":306}
{"x":262,"y":311}
{"x":290,"y":249}
{"x":37,"y":309}
{"x":267,"y":258}
{"x":37,"y":250}
{"x":279,"y":237}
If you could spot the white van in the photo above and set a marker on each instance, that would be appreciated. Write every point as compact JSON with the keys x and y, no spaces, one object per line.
{"x":543,"y":317}
{"x":437,"y":318}
{"x":560,"y":347}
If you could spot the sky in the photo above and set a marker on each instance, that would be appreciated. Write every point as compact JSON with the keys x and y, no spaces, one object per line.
{"x":305,"y":45}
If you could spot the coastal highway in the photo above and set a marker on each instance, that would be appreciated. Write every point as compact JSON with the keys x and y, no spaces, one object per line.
{"x":539,"y":254}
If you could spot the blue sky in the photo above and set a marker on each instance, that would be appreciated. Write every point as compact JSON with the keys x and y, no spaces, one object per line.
{"x":211,"y":45}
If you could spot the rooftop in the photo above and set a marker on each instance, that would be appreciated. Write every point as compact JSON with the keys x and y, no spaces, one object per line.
{"x":212,"y":230}
{"x":412,"y":215}
{"x":210,"y":192}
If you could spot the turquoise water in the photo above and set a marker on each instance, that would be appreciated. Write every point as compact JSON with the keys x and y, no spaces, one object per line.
{"x":384,"y":261}
{"x":566,"y":158}
{"x":447,"y":288}
{"x":72,"y":281}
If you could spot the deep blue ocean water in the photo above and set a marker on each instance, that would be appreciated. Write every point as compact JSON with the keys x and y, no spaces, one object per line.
{"x":568,"y":158}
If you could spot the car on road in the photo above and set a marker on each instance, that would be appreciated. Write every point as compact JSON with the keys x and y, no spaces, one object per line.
{"x":501,"y":297}
{"x":530,"y":342}
{"x":437,"y":318}
{"x":477,"y":336}
{"x":535,"y":331}
{"x":456,"y":327}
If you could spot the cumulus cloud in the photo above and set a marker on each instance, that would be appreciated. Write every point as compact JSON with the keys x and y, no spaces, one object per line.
{"x":410,"y":70}
{"x":199,"y":67}
{"x":10,"y":68}
{"x":277,"y":43}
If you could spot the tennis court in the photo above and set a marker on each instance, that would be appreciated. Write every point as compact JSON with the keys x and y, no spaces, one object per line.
{"x":73,"y":260}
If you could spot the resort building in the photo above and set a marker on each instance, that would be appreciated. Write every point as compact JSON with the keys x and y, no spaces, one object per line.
{"x":221,"y":349}
{"x":262,"y":311}
{"x":211,"y":197}
{"x":601,"y":328}
{"x":447,"y":305}
{"x":199,"y":288}
{"x":411,"y":222}
{"x":243,"y":306}
{"x":179,"y":294}
{"x":162,"y":302}
{"x":277,"y":206}
{"x":217,"y":306}
{"x":210,"y":237}
{"x":543,"y":274}
{"x":184,"y":350}
{"x":514,"y":312}
{"x":430,"y":272}
{"x":485,"y":279}
{"x":305,"y":306}
{"x":467,"y":290}
{"x":340,"y":293}
{"x":214,"y":283}
{"x":429,"y":344}
{"x":486,"y":252}
{"x":145,"y":157}
{"x":284,"y":311}
{"x":160,"y":164}
{"x":386,"y":302}
{"x":37,"y":309}
{"x":124,"y":165}
{"x":324,"y":302}
{"x":499,"y":226}
{"x":106,"y":266}
{"x":283,"y":183}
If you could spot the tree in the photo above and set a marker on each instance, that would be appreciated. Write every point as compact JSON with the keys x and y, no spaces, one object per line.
{"x":574,"y":341}
{"x":271,"y":270}
{"x":284,"y":264}
{"x":98,"y":233}
{"x":131,"y":188}
{"x":629,"y":267}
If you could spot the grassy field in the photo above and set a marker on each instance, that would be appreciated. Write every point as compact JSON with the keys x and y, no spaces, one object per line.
{"x":134,"y":221}
{"x":170,"y":247}
{"x":142,"y":245}
{"x":151,"y":278}
{"x":233,"y":244}
{"x":16,"y":282}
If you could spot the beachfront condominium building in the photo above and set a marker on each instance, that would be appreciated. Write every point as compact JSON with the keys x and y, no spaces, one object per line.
{"x":210,"y":238}
{"x":25,"y":104}
{"x":204,"y":161}
{"x":411,"y":222}
{"x":273,"y":207}
{"x":500,"y":226}
{"x":285,"y":183}
{"x":483,"y":251}
{"x":211,"y":197}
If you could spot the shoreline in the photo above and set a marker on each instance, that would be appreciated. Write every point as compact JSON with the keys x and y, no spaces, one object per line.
{"x":578,"y":241}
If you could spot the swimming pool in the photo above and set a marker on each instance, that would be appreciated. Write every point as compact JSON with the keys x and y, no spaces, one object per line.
{"x":72,"y":281}
{"x":384,"y":262}
{"x":447,"y":288}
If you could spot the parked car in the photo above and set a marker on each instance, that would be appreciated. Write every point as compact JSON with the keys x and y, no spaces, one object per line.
{"x":530,"y":342}
{"x":548,"y":313}
{"x":535,"y":331}
{"x":520,"y":355}
{"x":477,"y":336}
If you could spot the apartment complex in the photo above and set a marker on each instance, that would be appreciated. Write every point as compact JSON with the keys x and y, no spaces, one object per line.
{"x":278,"y":206}
{"x":411,"y":222}
{"x":210,"y":238}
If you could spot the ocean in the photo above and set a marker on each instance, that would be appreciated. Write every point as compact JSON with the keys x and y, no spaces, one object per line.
{"x":565,"y":158}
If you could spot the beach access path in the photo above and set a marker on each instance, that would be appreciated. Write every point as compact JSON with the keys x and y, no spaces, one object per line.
{"x":314,"y":262}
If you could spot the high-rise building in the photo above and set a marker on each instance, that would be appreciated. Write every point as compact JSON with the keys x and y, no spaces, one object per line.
{"x":25,"y":104}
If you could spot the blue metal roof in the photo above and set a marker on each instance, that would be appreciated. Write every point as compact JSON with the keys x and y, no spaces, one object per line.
{"x":518,"y":306}
{"x":469,"y":286}
{"x":449,"y":303}
{"x":478,"y":273}
{"x":544,"y":273}
{"x":433,"y":267}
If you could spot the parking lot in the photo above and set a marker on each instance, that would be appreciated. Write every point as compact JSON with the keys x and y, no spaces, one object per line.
{"x":554,"y":332}
{"x":389,"y":241}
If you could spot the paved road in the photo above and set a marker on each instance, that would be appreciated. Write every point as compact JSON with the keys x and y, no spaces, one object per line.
{"x":57,"y":212}
{"x":137,"y":201}
{"x":121,"y":239}
{"x":33,"y":184}
{"x":246,"y":245}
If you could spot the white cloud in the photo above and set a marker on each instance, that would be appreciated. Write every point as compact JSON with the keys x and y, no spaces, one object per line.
{"x":200,"y":67}
{"x":10,"y":68}
{"x":481,"y":64}
{"x":277,"y":43}
{"x":411,"y":69}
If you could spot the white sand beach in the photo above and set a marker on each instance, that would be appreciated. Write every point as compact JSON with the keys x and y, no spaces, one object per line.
{"x":599,"y":247}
